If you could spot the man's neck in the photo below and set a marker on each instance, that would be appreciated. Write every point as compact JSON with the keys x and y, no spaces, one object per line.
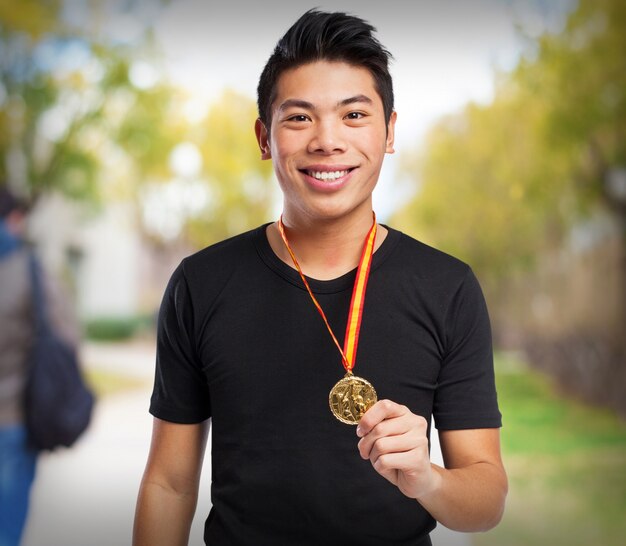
{"x":325,"y":250}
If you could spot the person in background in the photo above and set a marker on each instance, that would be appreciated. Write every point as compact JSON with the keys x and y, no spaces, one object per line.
{"x":17,"y":460}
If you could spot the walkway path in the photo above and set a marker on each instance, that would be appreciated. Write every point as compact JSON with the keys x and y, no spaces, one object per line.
{"x":85,"y":496}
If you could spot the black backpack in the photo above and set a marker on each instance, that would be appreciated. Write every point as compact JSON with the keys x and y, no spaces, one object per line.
{"x":58,"y":403}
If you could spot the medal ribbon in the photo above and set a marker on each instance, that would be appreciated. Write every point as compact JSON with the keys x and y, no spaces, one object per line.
{"x":351,"y":341}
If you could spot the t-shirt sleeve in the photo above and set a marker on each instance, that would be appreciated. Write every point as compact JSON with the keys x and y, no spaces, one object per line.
{"x":180,"y":390}
{"x":466,"y":393}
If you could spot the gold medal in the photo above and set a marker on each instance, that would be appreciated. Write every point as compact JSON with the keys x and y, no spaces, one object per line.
{"x":350,"y":398}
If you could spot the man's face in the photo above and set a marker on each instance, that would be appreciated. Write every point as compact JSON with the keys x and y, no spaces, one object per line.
{"x":328,"y":138}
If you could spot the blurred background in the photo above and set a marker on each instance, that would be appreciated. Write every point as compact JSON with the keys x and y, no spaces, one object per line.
{"x":128,"y":125}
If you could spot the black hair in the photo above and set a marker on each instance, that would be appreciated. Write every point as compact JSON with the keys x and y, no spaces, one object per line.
{"x":317,"y":36}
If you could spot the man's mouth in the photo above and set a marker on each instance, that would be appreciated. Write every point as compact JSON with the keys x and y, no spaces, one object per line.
{"x":329,"y":176}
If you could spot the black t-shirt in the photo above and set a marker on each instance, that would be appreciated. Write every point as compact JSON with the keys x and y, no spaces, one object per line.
{"x":240,"y":341}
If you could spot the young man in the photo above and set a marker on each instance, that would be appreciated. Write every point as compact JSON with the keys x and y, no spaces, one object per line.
{"x":245,"y":342}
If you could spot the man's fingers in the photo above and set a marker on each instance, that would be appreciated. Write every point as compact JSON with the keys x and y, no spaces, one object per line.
{"x":394,"y":444}
{"x":381,"y":410}
{"x":396,"y":420}
{"x":388,"y":427}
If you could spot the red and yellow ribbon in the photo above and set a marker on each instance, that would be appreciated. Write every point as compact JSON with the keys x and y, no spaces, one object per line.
{"x":351,"y":341}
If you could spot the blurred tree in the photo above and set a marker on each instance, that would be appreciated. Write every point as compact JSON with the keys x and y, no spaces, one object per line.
{"x":243,"y":194}
{"x":524,"y":189}
{"x":499,"y":184}
{"x":222,"y":187}
{"x":68,"y":105}
{"x":93,"y":118}
{"x":580,"y":76}
{"x":484,"y":193}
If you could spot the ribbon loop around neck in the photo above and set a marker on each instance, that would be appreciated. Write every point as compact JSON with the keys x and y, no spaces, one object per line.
{"x":353,"y":326}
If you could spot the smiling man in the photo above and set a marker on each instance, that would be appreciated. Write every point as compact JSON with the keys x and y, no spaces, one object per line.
{"x":249,"y":331}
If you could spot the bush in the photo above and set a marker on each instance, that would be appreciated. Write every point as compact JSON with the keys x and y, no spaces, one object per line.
{"x":117,"y":328}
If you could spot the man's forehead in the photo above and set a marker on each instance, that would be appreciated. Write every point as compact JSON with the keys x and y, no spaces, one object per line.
{"x":327,"y":83}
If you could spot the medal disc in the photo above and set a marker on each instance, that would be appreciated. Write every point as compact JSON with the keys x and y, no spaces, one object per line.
{"x":350,"y":398}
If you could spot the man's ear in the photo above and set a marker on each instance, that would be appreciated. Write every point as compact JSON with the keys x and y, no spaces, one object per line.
{"x":262,"y":139}
{"x":391,"y":127}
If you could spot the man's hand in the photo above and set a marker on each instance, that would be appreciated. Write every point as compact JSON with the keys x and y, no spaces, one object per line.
{"x":468,"y":495}
{"x":395,"y":442}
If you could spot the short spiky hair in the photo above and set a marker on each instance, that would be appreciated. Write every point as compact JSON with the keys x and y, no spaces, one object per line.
{"x":320,"y":36}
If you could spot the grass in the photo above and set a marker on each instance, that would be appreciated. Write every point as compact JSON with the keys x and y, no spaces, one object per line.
{"x":566,"y":463}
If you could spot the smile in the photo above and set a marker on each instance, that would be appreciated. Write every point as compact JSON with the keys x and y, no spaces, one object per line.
{"x":327,"y":175}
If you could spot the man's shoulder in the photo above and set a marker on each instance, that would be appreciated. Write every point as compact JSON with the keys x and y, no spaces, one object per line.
{"x":427,"y":261}
{"x":223,"y":249}
{"x":222,"y":257}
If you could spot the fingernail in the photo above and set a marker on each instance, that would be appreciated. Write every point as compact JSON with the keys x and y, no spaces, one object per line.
{"x":359,"y":431}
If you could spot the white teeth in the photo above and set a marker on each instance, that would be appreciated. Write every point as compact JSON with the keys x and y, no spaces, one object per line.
{"x":325,"y":175}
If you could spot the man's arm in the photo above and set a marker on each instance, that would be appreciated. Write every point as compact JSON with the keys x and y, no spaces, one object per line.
{"x":468,"y":495}
{"x":169,"y":488}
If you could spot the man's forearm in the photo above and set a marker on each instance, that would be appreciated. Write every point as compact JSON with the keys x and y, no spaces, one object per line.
{"x":163,"y":516}
{"x":468,"y":499}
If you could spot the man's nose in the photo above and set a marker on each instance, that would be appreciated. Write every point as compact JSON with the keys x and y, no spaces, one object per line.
{"x":327,"y":138}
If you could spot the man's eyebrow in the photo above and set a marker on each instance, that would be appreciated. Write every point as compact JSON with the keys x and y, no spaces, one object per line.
{"x":296,"y":103}
{"x":306,"y":105}
{"x":355,"y":99}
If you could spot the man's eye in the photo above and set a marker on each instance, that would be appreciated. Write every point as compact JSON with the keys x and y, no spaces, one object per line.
{"x":355,"y":115}
{"x":298,"y":117}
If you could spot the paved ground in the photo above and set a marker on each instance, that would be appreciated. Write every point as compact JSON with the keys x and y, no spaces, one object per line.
{"x":85,"y":496}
